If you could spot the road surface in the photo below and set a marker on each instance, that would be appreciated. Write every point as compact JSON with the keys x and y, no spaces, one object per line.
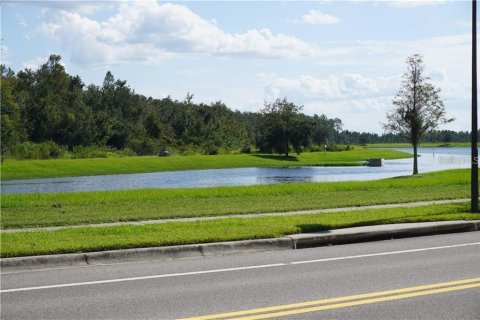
{"x":436,"y":277}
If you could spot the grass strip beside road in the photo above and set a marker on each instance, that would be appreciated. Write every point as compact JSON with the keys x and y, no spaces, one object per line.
{"x":30,"y":169}
{"x":63,"y":209}
{"x":178,"y":233}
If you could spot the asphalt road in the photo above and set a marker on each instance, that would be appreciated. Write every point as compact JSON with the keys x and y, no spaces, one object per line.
{"x":435,"y":277}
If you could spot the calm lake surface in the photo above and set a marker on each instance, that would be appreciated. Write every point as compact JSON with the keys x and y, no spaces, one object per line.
{"x":432,"y":159}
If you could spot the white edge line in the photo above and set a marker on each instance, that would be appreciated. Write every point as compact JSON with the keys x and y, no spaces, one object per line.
{"x":76,"y":284}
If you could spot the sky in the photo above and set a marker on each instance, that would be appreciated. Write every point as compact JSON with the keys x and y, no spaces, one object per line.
{"x":343,"y":59}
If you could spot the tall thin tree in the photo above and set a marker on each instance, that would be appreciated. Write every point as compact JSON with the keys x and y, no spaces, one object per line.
{"x":417,"y":107}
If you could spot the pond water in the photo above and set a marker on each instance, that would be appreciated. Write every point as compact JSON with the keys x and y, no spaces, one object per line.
{"x":431,"y":159}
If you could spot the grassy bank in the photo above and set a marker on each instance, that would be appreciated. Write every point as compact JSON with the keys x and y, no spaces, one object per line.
{"x":422,"y":145}
{"x":95,"y":239}
{"x":28,"y":210}
{"x":25,"y":169}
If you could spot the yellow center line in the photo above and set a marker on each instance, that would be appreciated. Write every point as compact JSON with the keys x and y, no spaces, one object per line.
{"x":360,"y":302}
{"x":335,"y":300}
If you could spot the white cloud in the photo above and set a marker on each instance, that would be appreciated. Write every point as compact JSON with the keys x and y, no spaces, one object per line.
{"x":317,"y":17}
{"x":446,"y":59}
{"x":362,"y":114}
{"x":332,"y":88}
{"x":146,"y":31}
{"x":413,"y":3}
{"x":34,"y":63}
{"x":355,"y":99}
{"x":85,"y":7}
{"x":362,"y":101}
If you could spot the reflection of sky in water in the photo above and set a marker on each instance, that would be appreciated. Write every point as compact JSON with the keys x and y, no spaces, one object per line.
{"x":430,"y":160}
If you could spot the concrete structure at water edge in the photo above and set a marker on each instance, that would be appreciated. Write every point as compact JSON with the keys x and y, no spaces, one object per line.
{"x":375,"y":162}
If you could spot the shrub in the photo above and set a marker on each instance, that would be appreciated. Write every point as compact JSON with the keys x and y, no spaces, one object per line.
{"x":315,"y":148}
{"x":84,"y":152}
{"x":185,"y":150}
{"x":31,"y":151}
{"x":210,"y":150}
{"x":340,"y":147}
{"x":246,"y":149}
{"x":143,"y":147}
{"x":127,"y":152}
{"x":298,"y":149}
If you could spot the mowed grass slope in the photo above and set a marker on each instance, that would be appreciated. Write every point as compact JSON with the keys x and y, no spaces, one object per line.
{"x":26,"y":169}
{"x":177,"y":233}
{"x":30,"y":210}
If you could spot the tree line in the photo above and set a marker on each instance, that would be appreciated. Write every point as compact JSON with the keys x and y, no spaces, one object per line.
{"x":48,"y":105}
{"x":437,"y":136}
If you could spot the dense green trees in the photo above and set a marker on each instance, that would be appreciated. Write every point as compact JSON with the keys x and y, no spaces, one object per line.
{"x":10,"y":113}
{"x":48,"y":104}
{"x":282,"y":127}
{"x":51,"y":107}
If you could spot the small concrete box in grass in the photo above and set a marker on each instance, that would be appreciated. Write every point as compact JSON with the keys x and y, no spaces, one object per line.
{"x":375,"y":162}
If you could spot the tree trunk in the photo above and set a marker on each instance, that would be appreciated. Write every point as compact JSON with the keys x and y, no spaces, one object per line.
{"x":415,"y":161}
{"x":286,"y":144}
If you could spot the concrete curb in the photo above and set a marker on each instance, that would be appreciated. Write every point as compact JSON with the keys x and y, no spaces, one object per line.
{"x":381,"y":232}
{"x":138,"y":254}
{"x":297,"y":241}
{"x":188,"y":251}
{"x":33,"y":262}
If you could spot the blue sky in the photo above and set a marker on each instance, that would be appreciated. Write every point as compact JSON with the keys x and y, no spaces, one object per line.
{"x":341,"y":58}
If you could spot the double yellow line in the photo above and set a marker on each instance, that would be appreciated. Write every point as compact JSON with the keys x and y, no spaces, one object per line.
{"x":342,"y":302}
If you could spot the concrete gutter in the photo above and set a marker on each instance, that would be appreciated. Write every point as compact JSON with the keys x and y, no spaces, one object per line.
{"x":297,"y":241}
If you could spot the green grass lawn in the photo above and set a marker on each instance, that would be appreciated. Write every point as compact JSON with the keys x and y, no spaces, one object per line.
{"x":176,"y":233}
{"x":25,"y":169}
{"x":54,"y":209}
